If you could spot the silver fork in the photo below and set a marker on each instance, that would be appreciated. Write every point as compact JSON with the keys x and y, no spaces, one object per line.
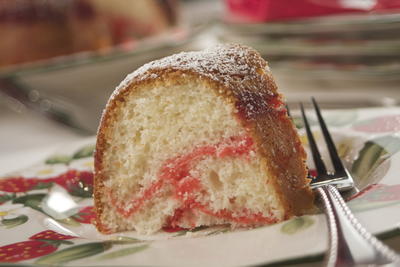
{"x":350,"y":244}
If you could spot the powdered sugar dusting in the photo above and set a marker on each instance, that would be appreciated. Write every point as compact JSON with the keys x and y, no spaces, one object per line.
{"x":238,"y":68}
{"x":220,"y":63}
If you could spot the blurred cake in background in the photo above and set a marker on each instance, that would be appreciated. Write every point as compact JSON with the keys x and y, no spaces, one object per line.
{"x":36,"y":29}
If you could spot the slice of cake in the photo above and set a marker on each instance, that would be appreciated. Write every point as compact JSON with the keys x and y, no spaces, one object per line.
{"x":198,"y":138}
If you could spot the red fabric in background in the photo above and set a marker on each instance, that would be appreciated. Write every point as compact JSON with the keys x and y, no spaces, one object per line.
{"x":276,"y":10}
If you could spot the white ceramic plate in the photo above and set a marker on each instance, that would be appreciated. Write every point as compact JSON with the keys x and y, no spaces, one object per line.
{"x":46,"y":209}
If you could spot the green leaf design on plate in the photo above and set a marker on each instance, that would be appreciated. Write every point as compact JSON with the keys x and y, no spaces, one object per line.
{"x":6,"y":197}
{"x":57,"y":159}
{"x":122,"y":240}
{"x":219,"y":231}
{"x":123,"y":252}
{"x":296,"y":225}
{"x":13,"y":222}
{"x":56,"y":243}
{"x":69,"y":221}
{"x":41,"y":185}
{"x":74,"y":253}
{"x":374,"y":153}
{"x":33,"y":201}
{"x":82,"y":190}
{"x":84,"y":152}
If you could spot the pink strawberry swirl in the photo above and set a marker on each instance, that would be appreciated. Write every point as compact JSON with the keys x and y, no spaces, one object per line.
{"x":177,"y":172}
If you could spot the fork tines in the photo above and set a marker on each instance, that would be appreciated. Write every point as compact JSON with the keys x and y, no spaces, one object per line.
{"x":340,"y":177}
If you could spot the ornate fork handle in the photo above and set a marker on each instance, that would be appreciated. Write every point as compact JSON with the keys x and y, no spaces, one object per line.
{"x":350,"y":243}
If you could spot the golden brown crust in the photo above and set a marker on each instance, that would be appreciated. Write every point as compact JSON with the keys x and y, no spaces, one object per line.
{"x":240,"y":75}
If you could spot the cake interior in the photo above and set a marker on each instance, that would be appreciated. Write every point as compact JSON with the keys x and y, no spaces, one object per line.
{"x":177,"y":156}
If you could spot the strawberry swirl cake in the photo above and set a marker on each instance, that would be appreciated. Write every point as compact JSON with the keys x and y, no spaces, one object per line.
{"x":198,"y":139}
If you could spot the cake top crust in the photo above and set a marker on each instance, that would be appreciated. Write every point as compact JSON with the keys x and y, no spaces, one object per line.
{"x":219,"y":63}
{"x":238,"y":68}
